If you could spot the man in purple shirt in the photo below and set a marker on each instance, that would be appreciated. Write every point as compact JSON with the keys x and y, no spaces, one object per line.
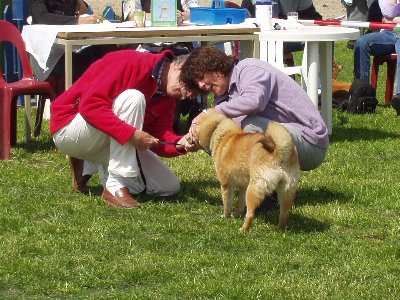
{"x":380,"y":43}
{"x":252,"y":92}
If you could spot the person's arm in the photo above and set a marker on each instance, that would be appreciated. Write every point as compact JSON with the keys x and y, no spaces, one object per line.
{"x":184,"y":9}
{"x":41,"y":15}
{"x":310,"y":13}
{"x":252,"y":92}
{"x":81,"y":7}
{"x":390,"y":9}
{"x":72,"y":15}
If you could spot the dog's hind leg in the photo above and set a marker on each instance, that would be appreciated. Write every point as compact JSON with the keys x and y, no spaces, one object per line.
{"x":227,"y":195}
{"x":253,"y":200}
{"x":285,"y":199}
{"x":241,"y":204}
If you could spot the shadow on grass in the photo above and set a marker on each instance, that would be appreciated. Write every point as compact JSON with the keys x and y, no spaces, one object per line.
{"x":296,"y":222}
{"x":300,"y":223}
{"x":320,"y":196}
{"x":356,"y":134}
{"x":36,"y":145}
{"x":188,"y":191}
{"x":208,"y":192}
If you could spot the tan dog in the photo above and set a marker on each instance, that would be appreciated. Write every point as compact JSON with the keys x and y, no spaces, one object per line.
{"x":257,"y":163}
{"x":340,"y":90}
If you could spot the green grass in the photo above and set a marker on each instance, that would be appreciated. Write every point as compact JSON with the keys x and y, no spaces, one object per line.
{"x":342,"y":241}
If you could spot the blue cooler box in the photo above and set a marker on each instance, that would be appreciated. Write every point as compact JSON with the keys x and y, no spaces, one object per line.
{"x":217,"y":14}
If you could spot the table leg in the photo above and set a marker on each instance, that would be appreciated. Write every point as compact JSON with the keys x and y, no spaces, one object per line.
{"x":68,"y":66}
{"x":312,"y":71}
{"x":326,"y":54}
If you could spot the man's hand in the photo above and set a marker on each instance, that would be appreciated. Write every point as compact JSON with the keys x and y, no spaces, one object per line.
{"x":142,"y":140}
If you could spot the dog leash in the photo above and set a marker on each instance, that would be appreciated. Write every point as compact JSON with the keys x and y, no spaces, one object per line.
{"x":169,"y":143}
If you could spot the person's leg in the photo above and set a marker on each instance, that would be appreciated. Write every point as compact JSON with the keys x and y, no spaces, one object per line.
{"x":160,"y":180}
{"x":372,"y":44}
{"x":395,"y":102}
{"x":289,"y":47}
{"x":397,"y":48}
{"x":81,"y":140}
{"x":310,"y":156}
{"x":123,"y":169}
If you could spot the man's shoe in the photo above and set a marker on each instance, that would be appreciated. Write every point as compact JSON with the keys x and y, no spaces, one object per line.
{"x":122,"y":199}
{"x":395,"y":103}
{"x":81,"y":186}
{"x":79,"y":182}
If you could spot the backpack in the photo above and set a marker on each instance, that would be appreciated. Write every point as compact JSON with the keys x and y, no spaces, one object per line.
{"x":362,"y":98}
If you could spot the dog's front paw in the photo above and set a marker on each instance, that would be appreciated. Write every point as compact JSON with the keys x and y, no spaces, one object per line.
{"x":243,"y":230}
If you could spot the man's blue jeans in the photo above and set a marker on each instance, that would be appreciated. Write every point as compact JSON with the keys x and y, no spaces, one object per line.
{"x":375,"y":44}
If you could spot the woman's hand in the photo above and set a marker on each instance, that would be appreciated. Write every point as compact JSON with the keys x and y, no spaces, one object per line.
{"x":89,"y":19}
{"x":192,"y":129}
{"x":183,"y":16}
{"x":186,"y":144}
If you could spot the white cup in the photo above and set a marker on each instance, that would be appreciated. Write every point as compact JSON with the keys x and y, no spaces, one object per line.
{"x":293,"y":17}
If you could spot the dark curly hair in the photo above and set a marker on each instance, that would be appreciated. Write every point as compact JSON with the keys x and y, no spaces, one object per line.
{"x":204,"y":60}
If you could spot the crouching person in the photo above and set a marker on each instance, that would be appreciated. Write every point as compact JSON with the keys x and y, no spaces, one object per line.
{"x":116,"y":116}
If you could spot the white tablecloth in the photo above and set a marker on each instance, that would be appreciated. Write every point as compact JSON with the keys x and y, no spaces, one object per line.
{"x":39,"y":42}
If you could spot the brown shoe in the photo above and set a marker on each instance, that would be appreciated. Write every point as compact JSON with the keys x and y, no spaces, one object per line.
{"x":122,"y":199}
{"x":81,"y":186}
{"x":79,"y":182}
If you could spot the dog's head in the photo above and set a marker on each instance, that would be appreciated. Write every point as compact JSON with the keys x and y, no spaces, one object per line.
{"x":210,"y":126}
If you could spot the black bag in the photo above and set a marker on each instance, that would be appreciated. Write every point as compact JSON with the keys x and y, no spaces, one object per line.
{"x":362,"y":98}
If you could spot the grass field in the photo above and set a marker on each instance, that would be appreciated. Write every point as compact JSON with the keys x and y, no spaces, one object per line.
{"x":342,"y":241}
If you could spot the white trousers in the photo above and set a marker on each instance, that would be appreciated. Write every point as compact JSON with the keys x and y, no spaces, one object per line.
{"x":81,"y":140}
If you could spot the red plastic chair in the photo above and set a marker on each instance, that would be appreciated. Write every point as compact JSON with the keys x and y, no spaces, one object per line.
{"x":9,"y":92}
{"x":391,"y":62}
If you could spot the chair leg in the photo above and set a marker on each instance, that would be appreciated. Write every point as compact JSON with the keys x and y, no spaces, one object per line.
{"x":28,"y":117}
{"x":13,"y":122}
{"x":5,"y":109}
{"x":390,"y":75}
{"x":374,"y":72}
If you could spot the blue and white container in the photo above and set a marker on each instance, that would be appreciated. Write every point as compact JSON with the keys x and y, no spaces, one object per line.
{"x":264,"y":14}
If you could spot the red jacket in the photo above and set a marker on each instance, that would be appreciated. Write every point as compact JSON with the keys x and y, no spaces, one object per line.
{"x":92,"y":96}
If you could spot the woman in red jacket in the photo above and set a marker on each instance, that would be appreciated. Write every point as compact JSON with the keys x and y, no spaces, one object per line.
{"x":115,"y":116}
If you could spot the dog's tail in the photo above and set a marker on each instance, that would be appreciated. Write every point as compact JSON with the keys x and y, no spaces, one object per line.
{"x":268,"y":143}
{"x":281,"y":139}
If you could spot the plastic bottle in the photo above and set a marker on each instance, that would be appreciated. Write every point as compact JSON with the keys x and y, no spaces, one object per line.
{"x":264,"y":14}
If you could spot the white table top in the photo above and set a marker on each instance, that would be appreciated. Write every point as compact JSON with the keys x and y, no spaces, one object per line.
{"x":311,"y":33}
{"x":45,"y":42}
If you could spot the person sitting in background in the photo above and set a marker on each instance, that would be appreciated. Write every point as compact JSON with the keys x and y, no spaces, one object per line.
{"x":117,"y":115}
{"x":363,"y":11}
{"x":72,"y":12}
{"x":377,"y":44}
{"x":358,"y":10}
{"x":253,"y":92}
